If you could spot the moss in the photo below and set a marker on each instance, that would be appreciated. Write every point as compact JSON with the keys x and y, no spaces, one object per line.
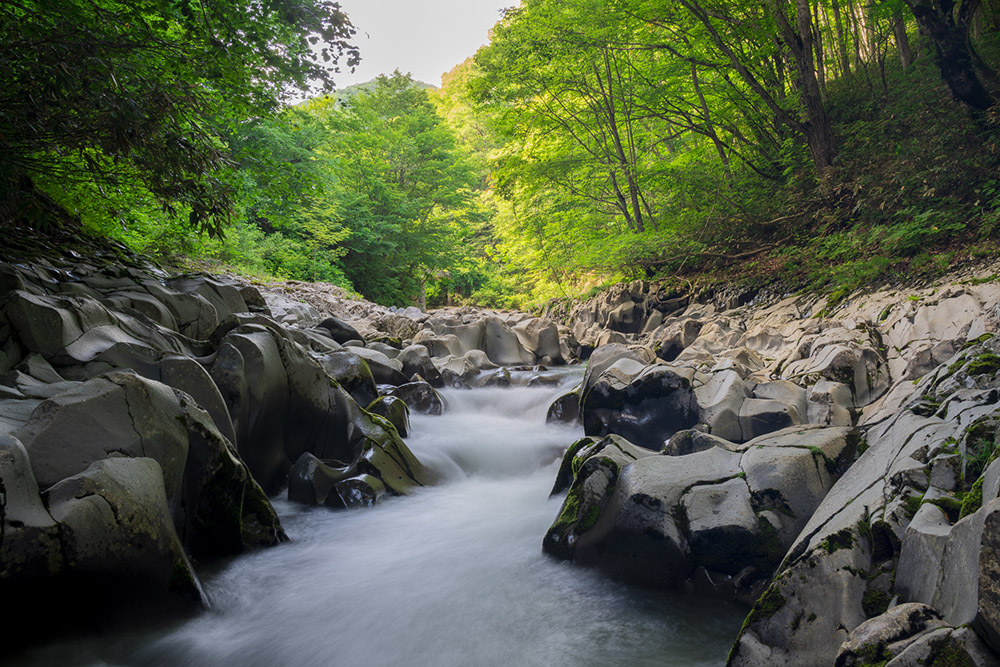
{"x":570,"y":465}
{"x":812,"y":617}
{"x":948,"y":653}
{"x":588,"y":519}
{"x":842,"y":539}
{"x":973,"y":500}
{"x":818,"y":455}
{"x":981,"y":449}
{"x":873,"y":655}
{"x":978,"y":341}
{"x":949,"y":505}
{"x":769,"y":604}
{"x":874,"y":603}
{"x":863,"y":446}
{"x":985,"y":363}
{"x":911,"y":504}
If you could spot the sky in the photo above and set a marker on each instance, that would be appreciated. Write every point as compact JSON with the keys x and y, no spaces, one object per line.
{"x":424,"y":37}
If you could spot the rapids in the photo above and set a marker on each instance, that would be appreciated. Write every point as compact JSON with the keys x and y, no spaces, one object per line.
{"x":452,"y":575}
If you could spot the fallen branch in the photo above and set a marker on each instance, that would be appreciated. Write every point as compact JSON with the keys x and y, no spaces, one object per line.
{"x":712,"y":255}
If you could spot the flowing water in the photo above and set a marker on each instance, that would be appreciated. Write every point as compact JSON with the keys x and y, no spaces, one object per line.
{"x":452,"y":575}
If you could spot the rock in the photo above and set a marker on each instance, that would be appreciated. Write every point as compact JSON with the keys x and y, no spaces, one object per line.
{"x":419,"y":396}
{"x":724,"y":533}
{"x":394,"y":409}
{"x":251,"y":377}
{"x":720,"y":401}
{"x":119,"y":415}
{"x":383,"y":369}
{"x":312,"y":481}
{"x":646,"y":409}
{"x":760,"y":416}
{"x":692,"y":441}
{"x":880,"y":637}
{"x":340,"y":330}
{"x":352,"y":373}
{"x":565,"y":409}
{"x":416,"y":360}
{"x":635,"y":536}
{"x":596,"y":465}
{"x":30,"y":549}
{"x":439,"y":346}
{"x":218,"y":508}
{"x":920,"y":553}
{"x":946,"y":646}
{"x":502,"y":345}
{"x":829,"y":403}
{"x":117,"y":530}
{"x":539,"y":337}
{"x":603,"y":358}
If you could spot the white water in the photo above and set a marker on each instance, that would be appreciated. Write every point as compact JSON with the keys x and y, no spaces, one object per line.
{"x":453,"y":575}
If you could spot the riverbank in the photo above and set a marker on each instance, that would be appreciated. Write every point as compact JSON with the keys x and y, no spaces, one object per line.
{"x":826,"y":460}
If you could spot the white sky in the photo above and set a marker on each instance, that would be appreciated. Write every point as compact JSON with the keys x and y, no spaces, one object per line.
{"x":424,"y":37}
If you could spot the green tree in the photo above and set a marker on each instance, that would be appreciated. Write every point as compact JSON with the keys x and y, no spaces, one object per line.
{"x":141,"y":95}
{"x":397,"y":182}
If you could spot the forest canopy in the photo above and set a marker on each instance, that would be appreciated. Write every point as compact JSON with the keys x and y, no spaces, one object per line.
{"x":819,"y":142}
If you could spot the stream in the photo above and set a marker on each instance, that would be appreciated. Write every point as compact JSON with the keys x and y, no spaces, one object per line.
{"x":452,"y":575}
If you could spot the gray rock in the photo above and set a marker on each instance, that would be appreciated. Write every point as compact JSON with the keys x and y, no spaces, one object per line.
{"x":724,"y":533}
{"x":352,"y":373}
{"x":691,"y":441}
{"x":886,"y":635}
{"x":920,"y":554}
{"x":502,"y":345}
{"x":116,"y":527}
{"x":946,"y":646}
{"x":829,"y":403}
{"x":645,"y":410}
{"x":395,"y":410}
{"x":539,"y":337}
{"x":30,"y":548}
{"x":760,"y":416}
{"x":419,"y":396}
{"x":340,"y":330}
{"x":719,"y":403}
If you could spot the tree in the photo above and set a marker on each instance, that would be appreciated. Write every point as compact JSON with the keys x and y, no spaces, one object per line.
{"x":396,"y":180}
{"x":947,"y":22}
{"x":142,"y":93}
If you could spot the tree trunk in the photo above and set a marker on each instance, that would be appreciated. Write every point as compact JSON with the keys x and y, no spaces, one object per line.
{"x":955,"y":58}
{"x":799,"y":40}
{"x":845,"y":62}
{"x":902,"y":40}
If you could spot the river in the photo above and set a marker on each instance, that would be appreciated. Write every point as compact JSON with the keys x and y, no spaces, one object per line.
{"x":452,"y":575}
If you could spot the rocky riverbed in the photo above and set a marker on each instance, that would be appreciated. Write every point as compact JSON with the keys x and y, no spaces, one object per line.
{"x":833,"y":464}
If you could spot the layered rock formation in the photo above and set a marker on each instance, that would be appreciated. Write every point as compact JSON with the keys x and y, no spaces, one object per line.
{"x":838,"y":465}
{"x":145,"y":418}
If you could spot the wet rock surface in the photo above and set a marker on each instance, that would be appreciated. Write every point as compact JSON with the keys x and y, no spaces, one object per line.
{"x":835,"y":465}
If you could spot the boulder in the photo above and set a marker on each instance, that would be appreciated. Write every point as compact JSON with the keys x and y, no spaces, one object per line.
{"x":352,"y":373}
{"x":720,"y":401}
{"x":540,"y":338}
{"x":887,"y":635}
{"x":419,"y":396}
{"x":646,"y":409}
{"x":502,"y":345}
{"x":395,"y":410}
{"x":30,"y":548}
{"x":340,"y":330}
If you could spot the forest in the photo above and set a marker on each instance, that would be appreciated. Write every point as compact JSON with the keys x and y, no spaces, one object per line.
{"x":820,"y":143}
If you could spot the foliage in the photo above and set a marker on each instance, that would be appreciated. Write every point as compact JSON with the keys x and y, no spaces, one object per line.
{"x":135,"y":100}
